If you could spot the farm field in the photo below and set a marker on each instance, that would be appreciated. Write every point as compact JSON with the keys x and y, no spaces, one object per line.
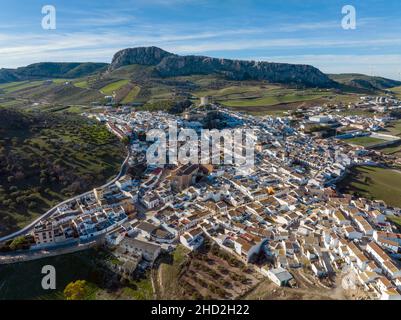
{"x":391,"y":150}
{"x":112,"y":87}
{"x":210,"y":273}
{"x":374,"y":183}
{"x":131,"y":95}
{"x":364,"y":141}
{"x":20,"y":85}
{"x":394,"y":128}
{"x":396,"y":220}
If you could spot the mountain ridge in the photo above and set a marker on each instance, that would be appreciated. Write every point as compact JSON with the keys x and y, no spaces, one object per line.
{"x":45,"y":70}
{"x":159,"y":65}
{"x":170,"y":65}
{"x":362,"y":81}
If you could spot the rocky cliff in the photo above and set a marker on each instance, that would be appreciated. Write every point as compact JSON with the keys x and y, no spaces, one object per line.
{"x":168,"y":65}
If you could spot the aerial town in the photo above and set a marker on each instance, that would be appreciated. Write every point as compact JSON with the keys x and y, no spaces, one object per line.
{"x":282,"y":216}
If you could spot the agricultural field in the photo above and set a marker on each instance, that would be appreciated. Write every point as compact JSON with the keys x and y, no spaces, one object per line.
{"x":209,"y":273}
{"x":20,"y":85}
{"x":262,"y":99}
{"x":82,"y":84}
{"x":260,"y":95}
{"x":396,"y":220}
{"x":113,"y":87}
{"x":364,"y":141}
{"x":136,"y":83}
{"x":374,"y":183}
{"x":394,"y":128}
{"x":391,"y":150}
{"x":132,"y":94}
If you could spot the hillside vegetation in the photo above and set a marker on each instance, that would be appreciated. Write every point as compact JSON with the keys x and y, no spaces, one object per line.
{"x":48,"y":157}
{"x":374,"y":183}
{"x":46,"y":70}
{"x":152,"y":76}
{"x":362,"y":81}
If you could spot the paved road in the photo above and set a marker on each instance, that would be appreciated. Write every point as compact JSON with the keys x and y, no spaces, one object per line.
{"x":30,"y":226}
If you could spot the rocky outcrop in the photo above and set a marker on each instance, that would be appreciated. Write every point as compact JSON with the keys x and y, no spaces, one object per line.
{"x":169,"y":65}
{"x":149,"y":56}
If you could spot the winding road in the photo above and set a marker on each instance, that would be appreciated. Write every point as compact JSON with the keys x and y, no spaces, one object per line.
{"x":30,"y":226}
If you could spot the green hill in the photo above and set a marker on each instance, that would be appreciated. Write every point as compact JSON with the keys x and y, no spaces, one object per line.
{"x":48,"y":157}
{"x":361,"y":81}
{"x":155,"y":77}
{"x":50,"y":70}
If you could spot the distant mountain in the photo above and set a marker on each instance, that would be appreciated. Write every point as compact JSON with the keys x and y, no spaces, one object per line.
{"x":44,"y":70}
{"x":362,"y":81}
{"x":155,"y":77}
{"x":167,"y":64}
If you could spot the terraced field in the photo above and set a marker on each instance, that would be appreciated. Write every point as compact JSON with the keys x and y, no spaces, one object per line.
{"x":113,"y":87}
{"x":272,"y":99}
{"x":209,"y":273}
{"x":82,"y":84}
{"x":136,"y":83}
{"x":130,"y":97}
{"x":16,"y":86}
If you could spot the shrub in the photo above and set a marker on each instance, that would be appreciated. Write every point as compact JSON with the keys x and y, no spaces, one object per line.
{"x":76,"y":290}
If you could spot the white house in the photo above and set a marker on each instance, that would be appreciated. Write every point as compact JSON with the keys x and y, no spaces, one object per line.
{"x":279,"y":276}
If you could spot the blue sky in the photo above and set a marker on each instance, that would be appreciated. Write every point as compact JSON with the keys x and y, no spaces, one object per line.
{"x":293,"y":31}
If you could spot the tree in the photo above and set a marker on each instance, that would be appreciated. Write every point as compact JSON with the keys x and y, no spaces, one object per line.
{"x":76,"y":290}
{"x":125,"y":141}
{"x":18,"y":243}
{"x":32,"y":205}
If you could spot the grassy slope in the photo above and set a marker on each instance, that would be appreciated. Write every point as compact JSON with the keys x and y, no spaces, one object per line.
{"x":364,"y":81}
{"x":16,"y":86}
{"x":130,"y":97}
{"x":260,"y":98}
{"x":376,"y":183}
{"x":23,"y":280}
{"x":364,"y":141}
{"x":140,"y":84}
{"x":169,"y":273}
{"x":86,"y":154}
{"x":24,"y":94}
{"x":115,"y":86}
{"x":397,"y":91}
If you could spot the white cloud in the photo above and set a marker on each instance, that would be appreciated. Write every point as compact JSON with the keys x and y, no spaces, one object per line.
{"x":385,"y":65}
{"x":22,"y":49}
